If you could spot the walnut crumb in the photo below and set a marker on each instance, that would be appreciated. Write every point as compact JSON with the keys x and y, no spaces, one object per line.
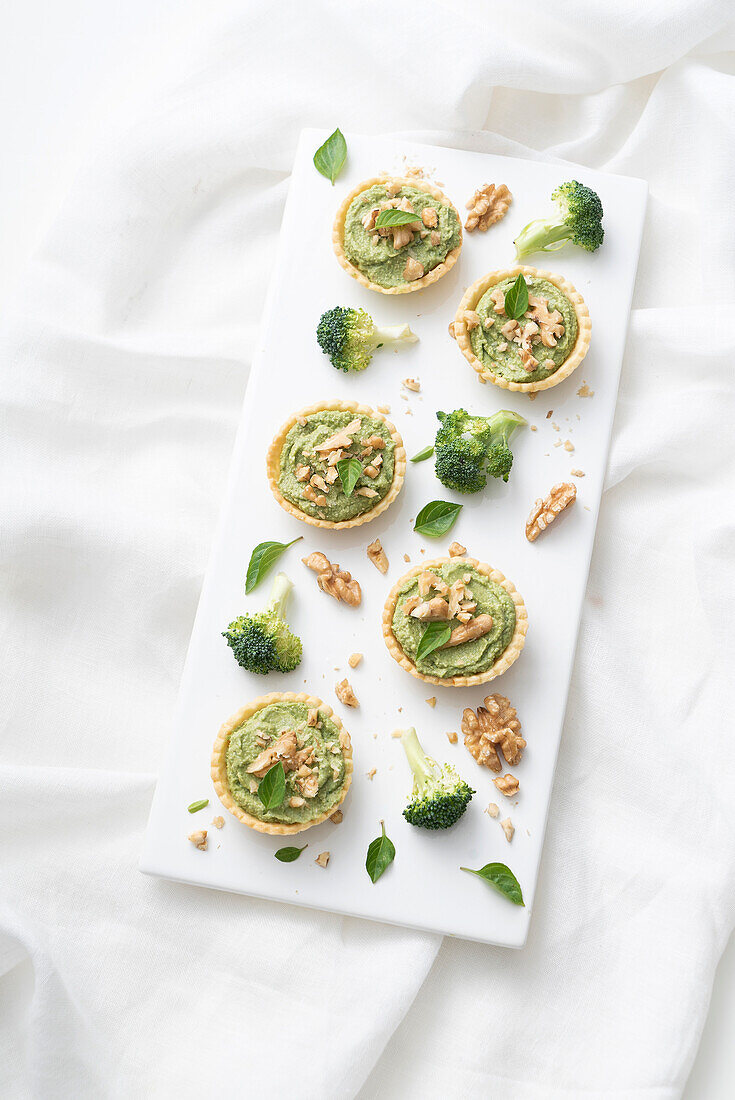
{"x":487,"y":206}
{"x":577,"y":473}
{"x":507,"y":784}
{"x":384,"y":409}
{"x":453,"y":738}
{"x":549,"y":414}
{"x":568,"y":445}
{"x":372,"y":773}
{"x":336,"y":817}
{"x":432,"y":701}
{"x":218,"y":822}
{"x":508,"y":828}
{"x":412,"y":384}
{"x":296,"y":801}
{"x":406,"y":557}
{"x":492,"y":809}
{"x":322,"y":859}
{"x":199,"y":839}
{"x":377,"y":555}
{"x":457,"y":550}
{"x":534,"y":428}
{"x":547,"y":509}
{"x":354,"y":659}
{"x":397,"y":734}
{"x":585,"y":391}
{"x":345,"y":694}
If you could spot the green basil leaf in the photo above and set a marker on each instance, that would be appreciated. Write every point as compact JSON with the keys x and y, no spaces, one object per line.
{"x":263,"y":558}
{"x":349,"y":470}
{"x":330,"y":156}
{"x":272,"y":787}
{"x":386,"y":219}
{"x":435,"y":635}
{"x":502,"y":878}
{"x":380,"y":855}
{"x":436,"y":518}
{"x":516,"y":299}
{"x":198,"y":805}
{"x":423,"y":455}
{"x":288,"y":855}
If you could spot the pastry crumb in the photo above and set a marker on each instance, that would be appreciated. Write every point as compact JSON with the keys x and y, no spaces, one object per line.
{"x":534,"y":428}
{"x":585,"y":391}
{"x":492,"y":809}
{"x":432,"y":701}
{"x":199,"y":839}
{"x":354,"y":659}
{"x":532,"y":396}
{"x":508,"y":828}
{"x":337,"y":817}
{"x":372,"y":773}
{"x":322,"y":859}
{"x":384,"y":409}
{"x":453,"y":738}
{"x":345,"y":694}
{"x":218,"y":822}
{"x":397,"y":734}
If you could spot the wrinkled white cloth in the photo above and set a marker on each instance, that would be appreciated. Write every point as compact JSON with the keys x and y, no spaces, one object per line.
{"x":123,"y":367}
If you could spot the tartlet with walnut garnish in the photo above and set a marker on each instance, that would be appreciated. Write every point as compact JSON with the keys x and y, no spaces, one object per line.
{"x":403,"y":257}
{"x":313,"y":464}
{"x":307,"y":738}
{"x":534,"y":353}
{"x":484,"y":616}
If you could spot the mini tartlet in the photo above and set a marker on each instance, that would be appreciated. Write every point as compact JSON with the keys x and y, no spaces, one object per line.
{"x":303,"y":444}
{"x":472,"y":589}
{"x":552,"y":342}
{"x":425,"y":252}
{"x":310,"y":741}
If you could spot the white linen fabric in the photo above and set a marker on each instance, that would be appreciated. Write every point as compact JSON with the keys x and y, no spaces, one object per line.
{"x":123,"y":367}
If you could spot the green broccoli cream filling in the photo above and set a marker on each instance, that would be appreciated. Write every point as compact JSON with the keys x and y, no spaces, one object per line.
{"x":379,"y":260}
{"x":507,"y":363}
{"x":469,"y":658}
{"x":299,"y":449}
{"x":328,"y":762}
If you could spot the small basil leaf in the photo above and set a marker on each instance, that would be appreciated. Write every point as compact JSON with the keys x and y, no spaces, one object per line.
{"x":263,"y":558}
{"x":272,"y":787}
{"x":380,"y":855}
{"x":388,"y":218}
{"x":349,"y":470}
{"x":288,"y":855}
{"x":423,"y":455}
{"x":435,"y":635}
{"x":502,"y":878}
{"x":330,"y":156}
{"x":198,"y":805}
{"x":436,"y":518}
{"x":516,"y":299}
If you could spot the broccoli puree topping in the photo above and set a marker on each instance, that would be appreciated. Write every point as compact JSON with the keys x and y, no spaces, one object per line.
{"x":470,"y":657}
{"x":329,"y":765}
{"x":379,"y":260}
{"x":508,"y":363}
{"x":299,"y":450}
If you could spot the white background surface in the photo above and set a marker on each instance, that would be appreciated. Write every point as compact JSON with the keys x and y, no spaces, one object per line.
{"x":63,"y":68}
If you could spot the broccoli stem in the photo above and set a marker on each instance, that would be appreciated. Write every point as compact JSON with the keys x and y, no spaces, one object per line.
{"x":419,"y":762}
{"x":538,"y":235}
{"x":393,"y":334}
{"x":280,"y":592}
{"x":505,"y":421}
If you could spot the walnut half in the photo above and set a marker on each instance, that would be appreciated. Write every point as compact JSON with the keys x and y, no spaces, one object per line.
{"x":336,"y":582}
{"x":487,"y":206}
{"x":491,"y":730}
{"x":547,"y":509}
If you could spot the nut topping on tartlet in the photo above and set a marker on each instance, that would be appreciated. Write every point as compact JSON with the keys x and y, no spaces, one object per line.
{"x":475,"y":628}
{"x":336,"y":582}
{"x":345,"y":694}
{"x":488,"y":205}
{"x":413,"y":270}
{"x":435,"y":610}
{"x":493,"y":729}
{"x":378,"y":556}
{"x":546,"y":509}
{"x":507,"y":784}
{"x":341,"y":439}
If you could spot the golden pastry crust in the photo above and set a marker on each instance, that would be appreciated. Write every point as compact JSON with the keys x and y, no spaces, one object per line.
{"x":506,"y":658}
{"x":474,"y":293}
{"x":273,"y":462}
{"x":433,"y":276}
{"x":219,"y":761}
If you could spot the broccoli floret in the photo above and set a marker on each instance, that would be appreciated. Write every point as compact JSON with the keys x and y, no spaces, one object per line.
{"x":468,"y":448}
{"x":263,"y":642}
{"x":349,"y":337}
{"x":578,"y":220}
{"x":440,"y":796}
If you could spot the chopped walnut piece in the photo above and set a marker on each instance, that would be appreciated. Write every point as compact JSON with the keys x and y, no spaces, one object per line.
{"x":376,"y":441}
{"x":498,"y":298}
{"x":336,"y":582}
{"x":372,"y":773}
{"x":487,"y":206}
{"x":371,"y":471}
{"x":492,"y":809}
{"x":253,"y":786}
{"x":295,"y":801}
{"x":331,"y":475}
{"x":342,"y":438}
{"x":547,"y":509}
{"x":432,"y":701}
{"x":507,"y":784}
{"x":366,"y":491}
{"x":378,"y":556}
{"x":475,"y":628}
{"x":218,"y":822}
{"x":302,"y":473}
{"x":345,"y":694}
{"x":412,"y":384}
{"x":312,"y":717}
{"x":199,"y":839}
{"x":336,"y":817}
{"x":508,"y":828}
{"x":319,"y":483}
{"x":436,"y":237}
{"x":410,"y":604}
{"x":452,"y":738}
{"x":354,"y":660}
{"x":471,"y":319}
{"x":457,"y":550}
{"x":429,"y":217}
{"x":413,"y":270}
{"x":432,"y":611}
{"x":283,"y":749}
{"x":322,"y":859}
{"x":585,"y":391}
{"x":568,"y":445}
{"x":309,"y":785}
{"x":577,"y":473}
{"x":494,"y":728}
